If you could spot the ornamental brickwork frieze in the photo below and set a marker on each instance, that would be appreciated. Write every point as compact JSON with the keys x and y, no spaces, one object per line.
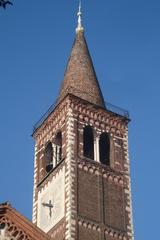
{"x":100,"y":118}
{"x":108,"y":232}
{"x":97,"y":169}
{"x":52,"y":122}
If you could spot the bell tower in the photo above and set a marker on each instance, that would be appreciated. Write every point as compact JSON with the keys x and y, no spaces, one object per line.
{"x":82,"y":174}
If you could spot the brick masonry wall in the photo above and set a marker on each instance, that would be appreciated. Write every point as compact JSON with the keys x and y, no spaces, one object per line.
{"x":104,"y":194}
{"x":97,"y":198}
{"x":114,"y":205}
{"x":88,"y":196}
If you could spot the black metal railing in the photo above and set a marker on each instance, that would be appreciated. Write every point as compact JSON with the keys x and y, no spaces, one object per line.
{"x":44,"y":116}
{"x":110,"y":107}
{"x":118,"y":110}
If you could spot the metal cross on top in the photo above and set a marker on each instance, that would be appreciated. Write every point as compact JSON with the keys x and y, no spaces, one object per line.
{"x":50,"y":206}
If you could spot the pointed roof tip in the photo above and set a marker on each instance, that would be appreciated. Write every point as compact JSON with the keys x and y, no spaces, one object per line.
{"x":80,"y":77}
{"x":79,"y":14}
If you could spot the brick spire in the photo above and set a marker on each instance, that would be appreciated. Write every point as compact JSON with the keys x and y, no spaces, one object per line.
{"x":80,"y":77}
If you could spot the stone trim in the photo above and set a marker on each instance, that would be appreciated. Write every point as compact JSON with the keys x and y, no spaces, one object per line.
{"x":97,"y":169}
{"x":115,"y":234}
{"x":70,"y":177}
{"x":45,"y":133}
{"x":57,"y":117}
{"x":108,"y":231}
{"x":73,"y":116}
{"x":34,"y":210}
{"x":130,"y":228}
{"x":101,"y":118}
{"x":89,"y":225}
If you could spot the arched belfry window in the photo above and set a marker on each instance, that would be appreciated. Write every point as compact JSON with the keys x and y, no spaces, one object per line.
{"x":57,"y":148}
{"x":104,"y":149}
{"x":88,"y":142}
{"x":48,"y":154}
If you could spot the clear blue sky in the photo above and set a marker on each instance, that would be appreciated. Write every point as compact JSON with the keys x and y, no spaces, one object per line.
{"x":124,"y":40}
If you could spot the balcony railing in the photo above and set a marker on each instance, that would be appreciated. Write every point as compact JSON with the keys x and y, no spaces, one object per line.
{"x":117,"y":110}
{"x":44,"y":117}
{"x":110,"y":107}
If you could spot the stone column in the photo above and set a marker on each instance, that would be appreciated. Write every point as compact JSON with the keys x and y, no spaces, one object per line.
{"x":58,"y":154}
{"x":97,"y":147}
{"x":54,"y":156}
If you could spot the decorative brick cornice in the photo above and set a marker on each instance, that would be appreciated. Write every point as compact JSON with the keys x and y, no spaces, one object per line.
{"x":96,"y":168}
{"x":89,"y":225}
{"x":116,"y":234}
{"x":107,"y":230}
{"x":99,"y":117}
{"x":57,"y":117}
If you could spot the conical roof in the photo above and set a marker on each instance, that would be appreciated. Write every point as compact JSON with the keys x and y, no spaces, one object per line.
{"x":80,"y":77}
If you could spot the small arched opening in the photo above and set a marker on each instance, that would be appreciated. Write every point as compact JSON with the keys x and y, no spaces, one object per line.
{"x":104,"y":149}
{"x":48,"y":154}
{"x":88,"y":142}
{"x":57,"y":148}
